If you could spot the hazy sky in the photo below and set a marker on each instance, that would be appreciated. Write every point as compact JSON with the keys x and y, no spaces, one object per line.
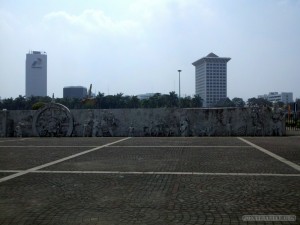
{"x":137,"y":46}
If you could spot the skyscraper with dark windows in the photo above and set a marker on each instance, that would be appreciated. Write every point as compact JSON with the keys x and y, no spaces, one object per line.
{"x":211,"y":78}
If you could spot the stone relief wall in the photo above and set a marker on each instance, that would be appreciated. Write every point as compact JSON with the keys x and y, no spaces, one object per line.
{"x":55,"y":120}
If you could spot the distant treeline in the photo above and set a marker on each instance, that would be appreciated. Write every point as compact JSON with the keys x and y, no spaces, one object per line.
{"x":102,"y":101}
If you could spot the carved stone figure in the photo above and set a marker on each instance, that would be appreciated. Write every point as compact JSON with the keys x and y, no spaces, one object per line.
{"x":131,"y":130}
{"x":88,"y":124}
{"x":19,"y":130}
{"x":108,"y":124}
{"x":146,"y":131}
{"x":96,"y":128}
{"x":257,"y":121}
{"x":277,"y":118}
{"x":184,"y":127}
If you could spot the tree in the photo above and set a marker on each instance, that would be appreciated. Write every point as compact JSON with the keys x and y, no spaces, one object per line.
{"x":172,"y":99}
{"x":197,"y":101}
{"x":134,"y":102}
{"x":238,"y":102}
{"x":99,"y":99}
{"x":225,"y":102}
{"x":280,"y":104}
{"x":38,"y":105}
{"x":8,"y":104}
{"x":20,"y":103}
{"x":260,"y":102}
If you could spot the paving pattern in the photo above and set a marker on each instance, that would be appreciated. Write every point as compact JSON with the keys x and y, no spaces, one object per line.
{"x":141,"y":181}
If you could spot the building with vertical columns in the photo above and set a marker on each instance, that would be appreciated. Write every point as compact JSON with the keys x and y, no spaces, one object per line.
{"x":285,"y":97}
{"x":211,"y":78}
{"x":36,"y":74}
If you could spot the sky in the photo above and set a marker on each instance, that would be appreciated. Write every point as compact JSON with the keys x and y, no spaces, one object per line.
{"x":136,"y":46}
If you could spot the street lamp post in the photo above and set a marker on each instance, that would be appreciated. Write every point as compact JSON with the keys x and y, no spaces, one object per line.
{"x":179,"y":87}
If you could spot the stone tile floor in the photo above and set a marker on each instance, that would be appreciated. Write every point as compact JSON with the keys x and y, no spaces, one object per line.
{"x":147,"y":180}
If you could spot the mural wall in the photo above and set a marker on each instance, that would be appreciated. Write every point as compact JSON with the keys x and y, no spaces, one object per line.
{"x":55,"y":120}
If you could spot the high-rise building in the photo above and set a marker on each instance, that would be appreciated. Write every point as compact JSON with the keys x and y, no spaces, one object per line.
{"x":75,"y":92}
{"x":36,"y":74}
{"x":211,"y":78}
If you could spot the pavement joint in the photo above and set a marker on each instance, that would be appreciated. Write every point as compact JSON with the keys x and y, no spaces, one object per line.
{"x":152,"y":173}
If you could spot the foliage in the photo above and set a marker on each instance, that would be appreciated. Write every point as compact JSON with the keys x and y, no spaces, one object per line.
{"x":238,"y":102}
{"x":38,"y":105}
{"x":102,"y":101}
{"x":225,"y":102}
{"x":259,"y":102}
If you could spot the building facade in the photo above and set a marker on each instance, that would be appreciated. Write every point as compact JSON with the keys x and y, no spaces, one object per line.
{"x":285,"y":97}
{"x":211,"y":78}
{"x":145,"y":96}
{"x":36,"y":74}
{"x":75,"y":92}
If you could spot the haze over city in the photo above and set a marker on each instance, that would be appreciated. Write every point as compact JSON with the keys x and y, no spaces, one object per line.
{"x":137,"y":46}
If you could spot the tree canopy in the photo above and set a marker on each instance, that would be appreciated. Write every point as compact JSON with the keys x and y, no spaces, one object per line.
{"x":102,"y":101}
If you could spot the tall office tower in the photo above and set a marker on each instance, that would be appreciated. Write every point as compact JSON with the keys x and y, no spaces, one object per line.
{"x":36,"y":74}
{"x":211,"y":78}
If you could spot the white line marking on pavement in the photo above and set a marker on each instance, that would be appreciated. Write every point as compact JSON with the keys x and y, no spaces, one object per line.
{"x":134,"y":146}
{"x":185,"y":146}
{"x":58,"y":161}
{"x":22,"y":139}
{"x":48,"y":146}
{"x":10,"y":171}
{"x":289,"y":163}
{"x":168,"y":173}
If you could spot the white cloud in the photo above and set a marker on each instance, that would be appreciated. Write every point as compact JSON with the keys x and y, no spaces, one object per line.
{"x":7,"y":22}
{"x":165,"y":10}
{"x":93,"y":21}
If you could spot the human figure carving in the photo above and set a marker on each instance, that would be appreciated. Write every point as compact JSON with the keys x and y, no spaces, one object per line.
{"x":277,"y":120}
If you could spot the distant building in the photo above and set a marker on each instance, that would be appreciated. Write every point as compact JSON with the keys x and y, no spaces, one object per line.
{"x":285,"y":97}
{"x":75,"y":92}
{"x":211,"y":78}
{"x":145,"y":96}
{"x":36,"y":74}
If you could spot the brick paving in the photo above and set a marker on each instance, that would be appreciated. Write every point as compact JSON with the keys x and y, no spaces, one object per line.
{"x":27,"y":157}
{"x":65,"y":195}
{"x":228,"y":160}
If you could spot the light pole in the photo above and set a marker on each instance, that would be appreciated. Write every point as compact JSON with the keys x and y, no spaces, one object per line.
{"x":179,"y":87}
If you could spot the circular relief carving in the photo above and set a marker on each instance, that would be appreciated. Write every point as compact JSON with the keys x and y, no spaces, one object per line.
{"x":53,"y":120}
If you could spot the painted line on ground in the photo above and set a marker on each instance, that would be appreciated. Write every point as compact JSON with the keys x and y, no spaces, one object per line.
{"x":10,"y":171}
{"x":281,"y":159}
{"x":22,"y":139}
{"x":129,"y":146}
{"x":58,"y":161}
{"x":167,"y":173}
{"x":48,"y":146}
{"x":181,"y":146}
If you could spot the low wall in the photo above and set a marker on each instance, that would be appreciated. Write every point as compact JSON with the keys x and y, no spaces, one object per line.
{"x":56,"y":120}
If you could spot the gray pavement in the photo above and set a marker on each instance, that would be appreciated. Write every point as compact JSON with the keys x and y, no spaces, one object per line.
{"x":205,"y":180}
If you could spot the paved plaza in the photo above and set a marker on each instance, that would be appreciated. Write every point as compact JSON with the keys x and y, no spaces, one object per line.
{"x":144,"y":181}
